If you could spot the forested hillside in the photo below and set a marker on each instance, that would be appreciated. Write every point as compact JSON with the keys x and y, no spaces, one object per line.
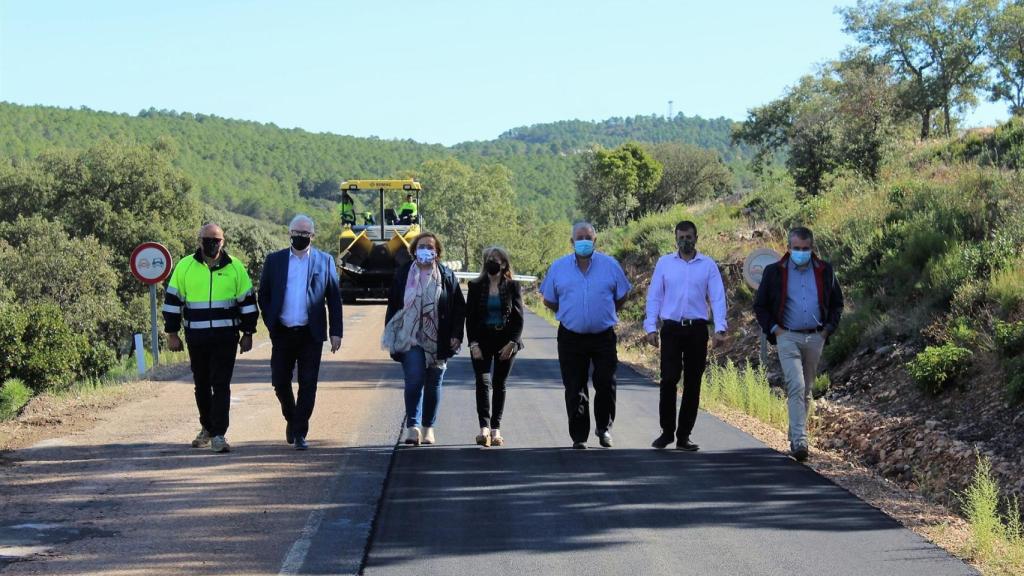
{"x":268,"y":172}
{"x":575,"y":135}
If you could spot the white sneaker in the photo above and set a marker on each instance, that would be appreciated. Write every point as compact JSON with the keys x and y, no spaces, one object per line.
{"x":496,"y":439}
{"x":484,"y":438}
{"x":413,"y":436}
{"x":428,"y":436}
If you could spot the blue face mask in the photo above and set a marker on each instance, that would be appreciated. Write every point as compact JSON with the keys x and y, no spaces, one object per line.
{"x":424,"y":255}
{"x":800,"y":257}
{"x":584,"y":248}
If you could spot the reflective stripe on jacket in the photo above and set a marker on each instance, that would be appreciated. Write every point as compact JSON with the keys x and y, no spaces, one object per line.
{"x":202,"y":298}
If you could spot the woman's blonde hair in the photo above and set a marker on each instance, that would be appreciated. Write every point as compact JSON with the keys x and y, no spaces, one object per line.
{"x":503,"y":254}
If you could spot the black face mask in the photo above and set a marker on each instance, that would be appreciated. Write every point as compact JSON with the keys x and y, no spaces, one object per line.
{"x":300,"y":242}
{"x":492,"y":267}
{"x":211,"y":247}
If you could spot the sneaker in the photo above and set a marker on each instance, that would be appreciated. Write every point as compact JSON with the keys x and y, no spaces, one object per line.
{"x":662,"y":441}
{"x":579,"y":445}
{"x":428,"y":435}
{"x":687,"y":445}
{"x":219,"y":444}
{"x":800,"y":453}
{"x":496,"y":439}
{"x":413,"y":436}
{"x":300,"y":443}
{"x":201,"y":439}
{"x":605,"y":438}
{"x":484,"y":438}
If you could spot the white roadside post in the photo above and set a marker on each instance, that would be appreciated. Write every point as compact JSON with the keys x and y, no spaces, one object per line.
{"x":753,"y":269}
{"x":151,"y":264}
{"x":140,"y":355}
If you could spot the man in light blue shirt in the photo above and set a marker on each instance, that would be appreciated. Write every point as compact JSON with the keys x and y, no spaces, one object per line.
{"x":585,"y":289}
{"x":683,"y":285}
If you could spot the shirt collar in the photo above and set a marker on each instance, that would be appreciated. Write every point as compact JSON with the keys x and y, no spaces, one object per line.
{"x":302,"y":255}
{"x":698,"y":256}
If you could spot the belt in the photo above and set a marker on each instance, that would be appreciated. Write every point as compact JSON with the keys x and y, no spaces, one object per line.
{"x":687,"y":322}
{"x":284,"y":328}
{"x":808,"y":330}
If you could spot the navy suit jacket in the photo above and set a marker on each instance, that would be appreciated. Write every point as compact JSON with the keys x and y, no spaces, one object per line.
{"x":323,"y":292}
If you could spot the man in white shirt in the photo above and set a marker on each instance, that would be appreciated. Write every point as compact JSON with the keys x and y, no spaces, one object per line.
{"x":683,"y":284}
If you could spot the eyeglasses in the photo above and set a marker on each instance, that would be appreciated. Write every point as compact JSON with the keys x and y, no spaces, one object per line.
{"x":302,"y":233}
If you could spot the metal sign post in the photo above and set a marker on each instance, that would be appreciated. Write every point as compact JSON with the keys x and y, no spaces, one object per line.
{"x":753,"y":269}
{"x":154,"y":337}
{"x":151,"y":263}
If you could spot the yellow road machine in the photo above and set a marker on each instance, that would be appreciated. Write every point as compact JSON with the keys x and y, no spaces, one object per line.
{"x":369,"y":253}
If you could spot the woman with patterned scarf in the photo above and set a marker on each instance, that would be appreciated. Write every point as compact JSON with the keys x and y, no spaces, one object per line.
{"x":423,"y":329}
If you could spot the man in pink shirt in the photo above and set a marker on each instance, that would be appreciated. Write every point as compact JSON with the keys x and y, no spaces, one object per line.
{"x":683,"y":285}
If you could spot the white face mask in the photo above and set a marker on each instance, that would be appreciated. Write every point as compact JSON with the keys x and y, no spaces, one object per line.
{"x":425,"y":255}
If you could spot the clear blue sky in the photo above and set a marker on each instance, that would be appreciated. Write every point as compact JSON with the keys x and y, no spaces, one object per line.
{"x":434,"y":71}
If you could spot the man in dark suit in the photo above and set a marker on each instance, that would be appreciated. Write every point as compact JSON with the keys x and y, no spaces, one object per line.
{"x":296,"y":286}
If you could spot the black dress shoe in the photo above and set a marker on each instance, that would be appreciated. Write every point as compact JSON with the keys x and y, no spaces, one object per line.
{"x":662,"y":441}
{"x":579,"y":445}
{"x":289,"y":436}
{"x":300,"y":443}
{"x":687,"y":445}
{"x":605,"y":438}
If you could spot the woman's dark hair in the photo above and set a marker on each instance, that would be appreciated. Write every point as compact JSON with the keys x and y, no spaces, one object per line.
{"x":421,"y":236}
{"x":502,"y":254}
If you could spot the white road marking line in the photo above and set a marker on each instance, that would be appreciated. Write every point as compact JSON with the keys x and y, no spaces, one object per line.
{"x":296,"y":556}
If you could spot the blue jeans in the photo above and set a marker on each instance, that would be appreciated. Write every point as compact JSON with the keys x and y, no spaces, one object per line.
{"x":422,"y":388}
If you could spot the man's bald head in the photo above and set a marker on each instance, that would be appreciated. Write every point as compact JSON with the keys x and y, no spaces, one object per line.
{"x":211,"y":230}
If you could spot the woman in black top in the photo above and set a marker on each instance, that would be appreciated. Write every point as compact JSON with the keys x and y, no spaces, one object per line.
{"x":494,"y":326}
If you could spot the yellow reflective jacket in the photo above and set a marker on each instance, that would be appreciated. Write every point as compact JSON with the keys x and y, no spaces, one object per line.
{"x":207,"y":299}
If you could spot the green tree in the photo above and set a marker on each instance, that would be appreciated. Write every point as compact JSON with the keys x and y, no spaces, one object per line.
{"x":119,"y":194}
{"x":845,"y":116}
{"x":690,"y":174}
{"x":935,"y":45}
{"x":470,"y":208}
{"x":610,"y":183}
{"x":1005,"y":43}
{"x":79,"y":277}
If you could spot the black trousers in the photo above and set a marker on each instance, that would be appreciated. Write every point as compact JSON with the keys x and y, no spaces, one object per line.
{"x":684,"y":351}
{"x":576,"y":354}
{"x":212,"y":358}
{"x":295,"y":348}
{"x":491,"y":342}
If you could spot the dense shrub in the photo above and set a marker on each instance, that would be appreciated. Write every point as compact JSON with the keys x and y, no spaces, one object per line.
{"x":12,"y":343}
{"x":846,"y":340}
{"x":1009,"y":336}
{"x":1007,"y":286}
{"x":937,"y":367}
{"x":80,"y":278}
{"x":13,"y":396}
{"x":53,"y":352}
{"x":1014,"y":370}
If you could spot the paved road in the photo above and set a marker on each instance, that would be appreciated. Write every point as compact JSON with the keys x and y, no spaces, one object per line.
{"x":536,"y":506}
{"x":129,"y":497}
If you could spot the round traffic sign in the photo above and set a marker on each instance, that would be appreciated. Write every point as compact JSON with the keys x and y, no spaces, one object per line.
{"x":151,"y":262}
{"x":756,"y":262}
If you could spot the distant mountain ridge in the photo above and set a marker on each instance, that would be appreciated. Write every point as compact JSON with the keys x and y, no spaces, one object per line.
{"x":568,"y":135}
